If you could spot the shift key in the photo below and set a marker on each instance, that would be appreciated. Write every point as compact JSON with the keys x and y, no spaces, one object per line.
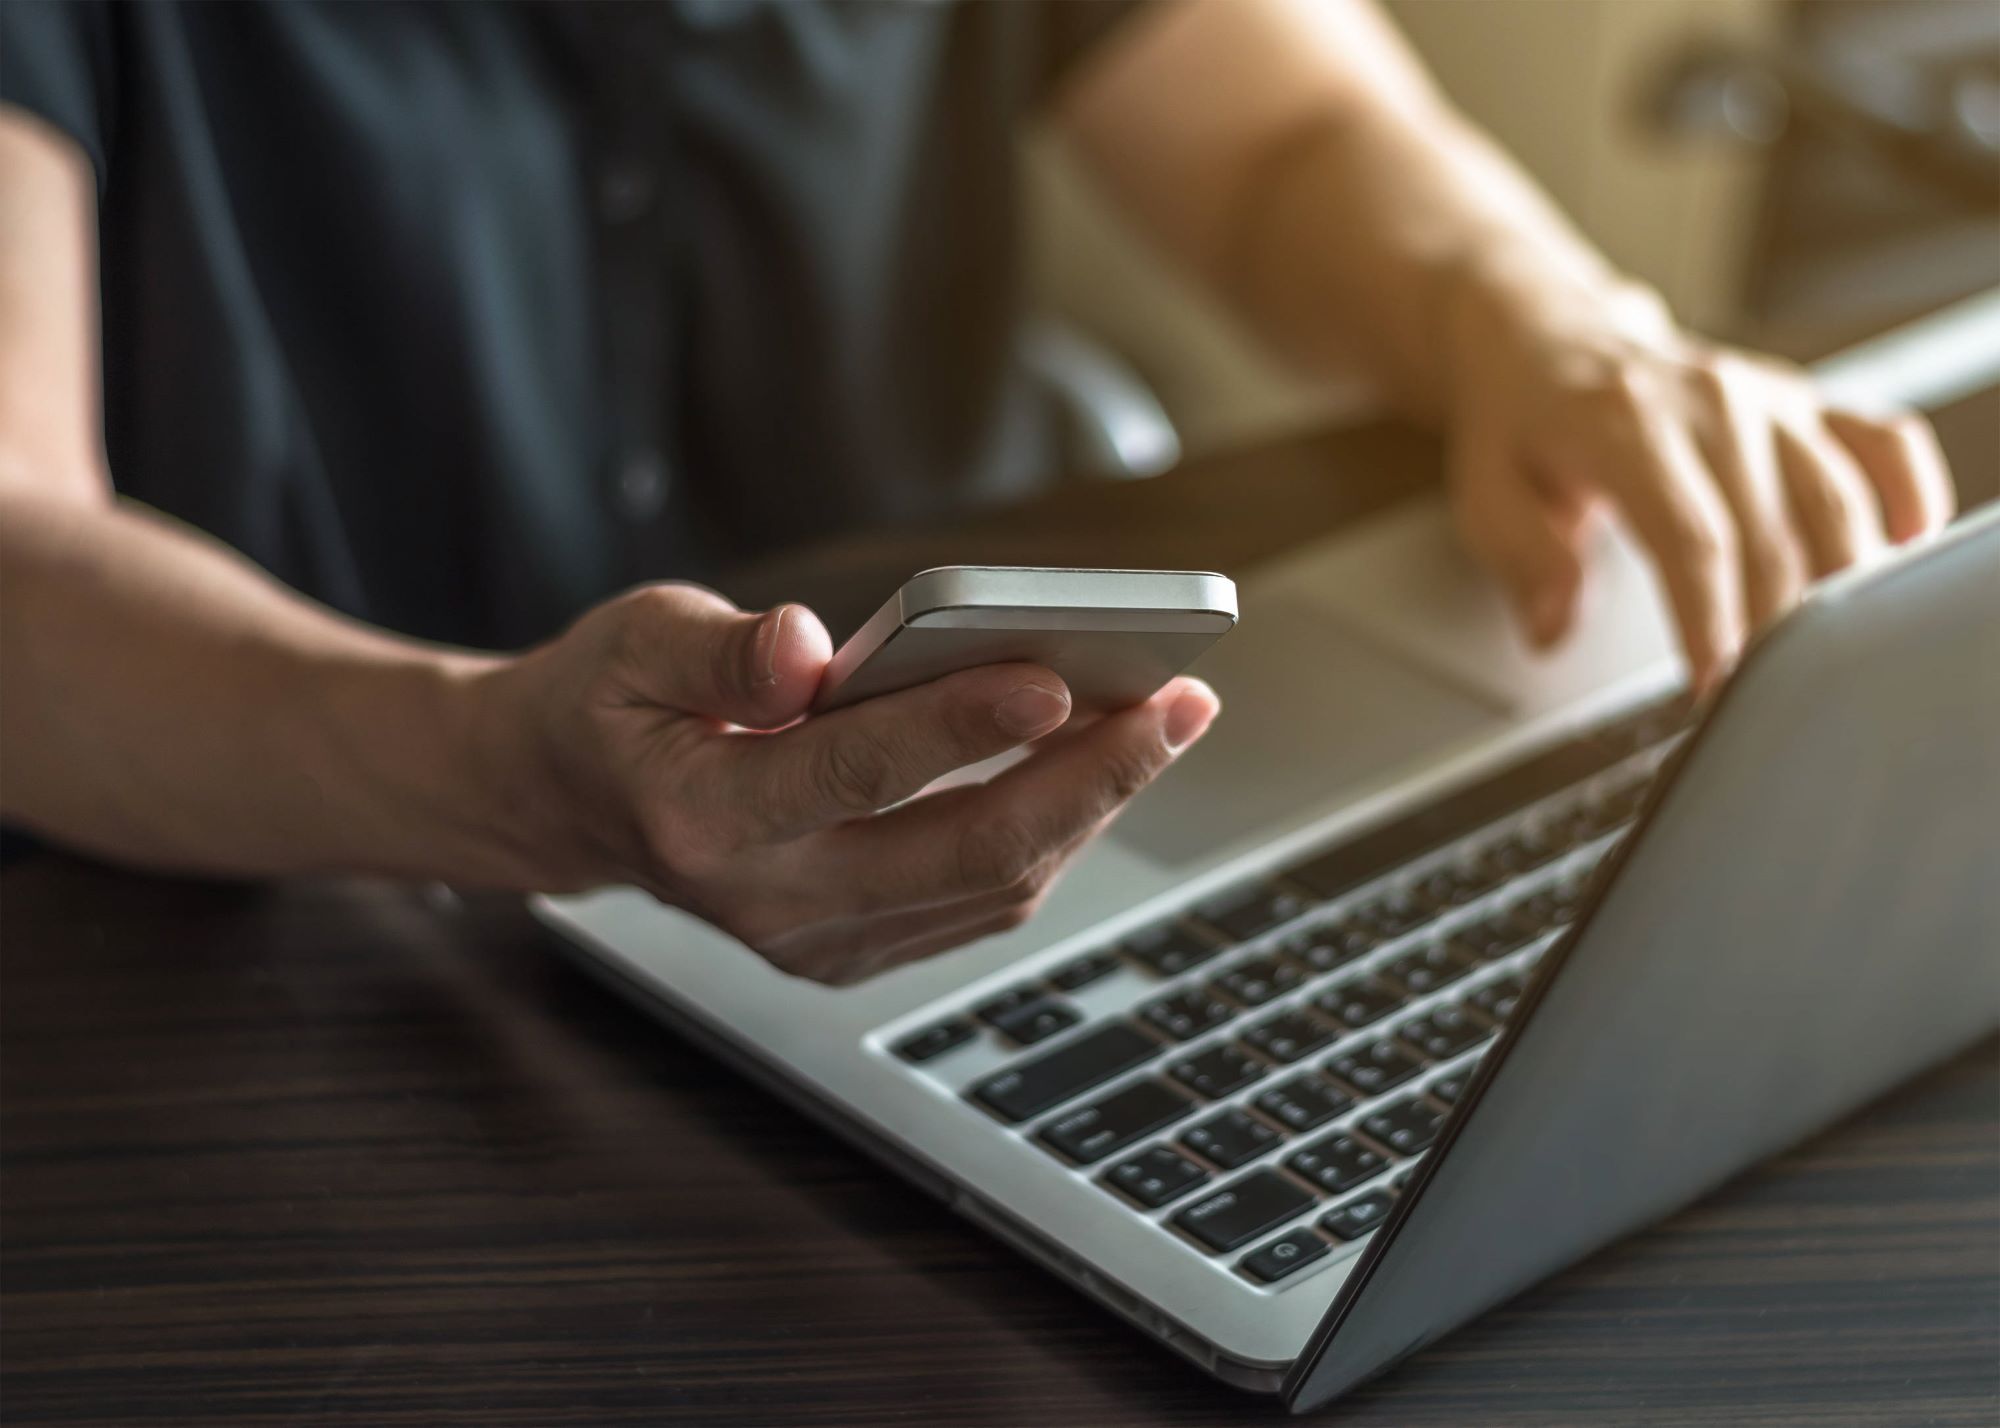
{"x":1096,"y":1128}
{"x":1242,"y":1210}
{"x":1033,"y":1086}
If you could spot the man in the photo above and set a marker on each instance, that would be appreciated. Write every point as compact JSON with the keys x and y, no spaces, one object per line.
{"x":458,"y":318}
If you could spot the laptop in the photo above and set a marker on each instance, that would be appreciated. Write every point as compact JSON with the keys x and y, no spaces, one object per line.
{"x":1437,"y":964}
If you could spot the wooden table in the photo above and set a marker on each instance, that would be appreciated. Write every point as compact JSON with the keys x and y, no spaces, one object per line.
{"x":346,"y":1151}
{"x":351,"y":1152}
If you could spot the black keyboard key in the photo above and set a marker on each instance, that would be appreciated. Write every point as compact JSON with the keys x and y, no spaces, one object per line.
{"x":1037,"y":1021}
{"x":1186,"y":1015}
{"x":1083,"y":971}
{"x":1245,"y":912}
{"x":1396,"y":912}
{"x":934,"y":1041}
{"x":1526,"y":850}
{"x":1529,"y":918}
{"x":1567,"y":896}
{"x":1303,"y":1102}
{"x":1489,"y":941}
{"x":1259,"y":980}
{"x":1406,"y":1127}
{"x":1217,"y":1072}
{"x":1359,"y":1003}
{"x":1479,"y":876}
{"x":1092,"y":1132}
{"x":1046,"y":1081}
{"x":1005,"y":1003}
{"x":1450,"y":1089}
{"x":1356,"y":1217}
{"x":1572,"y":829}
{"x":1288,"y":1252}
{"x":1155,"y":1177}
{"x":1371,"y":1070}
{"x":1485,"y":940}
{"x":1170,"y":949}
{"x":1434,"y":965}
{"x":1240,"y":1211}
{"x":1499,"y":999}
{"x":1325,"y":948}
{"x":1338,"y":1162}
{"x":1449,"y":887}
{"x":1229,"y":1139}
{"x":1288,"y":1036}
{"x":1445,"y":1031}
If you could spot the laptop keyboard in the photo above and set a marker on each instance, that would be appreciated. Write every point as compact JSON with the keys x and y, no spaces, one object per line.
{"x":1277,"y":1059}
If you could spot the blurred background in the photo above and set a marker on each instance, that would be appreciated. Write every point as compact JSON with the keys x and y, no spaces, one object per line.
{"x":1792,"y":174}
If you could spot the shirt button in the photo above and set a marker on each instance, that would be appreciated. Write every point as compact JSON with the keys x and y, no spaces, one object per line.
{"x":624,"y":191}
{"x":642,"y":485}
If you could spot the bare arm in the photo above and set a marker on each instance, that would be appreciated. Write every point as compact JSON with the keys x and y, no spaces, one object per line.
{"x":165,"y":703}
{"x":1294,"y":155}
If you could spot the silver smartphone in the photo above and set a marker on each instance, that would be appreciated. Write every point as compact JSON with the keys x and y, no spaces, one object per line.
{"x":1114,"y":636}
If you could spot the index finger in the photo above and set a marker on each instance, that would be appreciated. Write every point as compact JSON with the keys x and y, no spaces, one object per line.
{"x":869,"y":756}
{"x":1010,"y":833}
{"x":1671,"y":500}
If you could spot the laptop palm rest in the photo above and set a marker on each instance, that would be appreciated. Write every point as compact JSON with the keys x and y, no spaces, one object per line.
{"x":1312,"y":710}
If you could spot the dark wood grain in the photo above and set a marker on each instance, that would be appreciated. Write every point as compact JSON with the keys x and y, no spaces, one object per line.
{"x":350,"y":1152}
{"x":346,"y":1151}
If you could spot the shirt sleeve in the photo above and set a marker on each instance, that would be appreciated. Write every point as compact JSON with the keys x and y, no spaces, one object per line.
{"x":56,"y":63}
{"x":1072,"y":29}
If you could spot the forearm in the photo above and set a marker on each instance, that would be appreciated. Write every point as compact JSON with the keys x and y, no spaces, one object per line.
{"x":1298,"y":159}
{"x":1372,"y":237}
{"x":167,"y":704}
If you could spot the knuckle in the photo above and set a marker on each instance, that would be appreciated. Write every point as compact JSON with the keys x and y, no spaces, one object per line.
{"x":1700,"y":537}
{"x":640,"y":623}
{"x":1615,"y":391}
{"x":999,"y":853}
{"x":1911,"y":430}
{"x":1028,"y":888}
{"x":1716,"y":378}
{"x":631,"y":630}
{"x":1128,"y":772}
{"x":854,"y":774}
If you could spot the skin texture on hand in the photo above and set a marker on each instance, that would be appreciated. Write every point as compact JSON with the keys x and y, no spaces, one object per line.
{"x":669,"y":731}
{"x":1740,"y":482}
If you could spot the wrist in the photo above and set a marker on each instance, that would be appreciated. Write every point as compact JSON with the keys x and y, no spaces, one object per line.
{"x":1509,"y":311}
{"x":530,"y":808}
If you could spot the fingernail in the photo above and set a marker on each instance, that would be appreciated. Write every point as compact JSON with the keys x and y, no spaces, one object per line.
{"x":1030,"y":710}
{"x":1190,"y":716}
{"x":770,"y":634}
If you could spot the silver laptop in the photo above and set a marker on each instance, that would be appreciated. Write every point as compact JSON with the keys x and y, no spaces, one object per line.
{"x":1438,"y":963}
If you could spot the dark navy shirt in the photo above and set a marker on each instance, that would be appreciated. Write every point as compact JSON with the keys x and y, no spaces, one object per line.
{"x":460,"y":316}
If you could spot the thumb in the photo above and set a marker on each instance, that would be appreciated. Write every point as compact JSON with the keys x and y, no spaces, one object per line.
{"x":1529,"y":540}
{"x":688,"y":648}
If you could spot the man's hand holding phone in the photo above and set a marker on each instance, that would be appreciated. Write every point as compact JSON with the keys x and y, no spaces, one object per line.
{"x":670,"y":750}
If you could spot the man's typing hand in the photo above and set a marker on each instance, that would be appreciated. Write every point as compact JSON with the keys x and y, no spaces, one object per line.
{"x":667,"y":745}
{"x":1740,"y":481}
